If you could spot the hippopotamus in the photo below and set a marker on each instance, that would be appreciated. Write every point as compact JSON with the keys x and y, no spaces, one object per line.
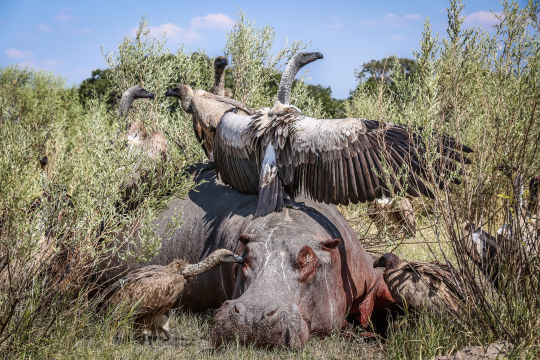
{"x":304,"y":271}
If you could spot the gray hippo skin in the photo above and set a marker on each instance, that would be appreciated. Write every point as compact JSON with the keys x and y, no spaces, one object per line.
{"x":304,"y":272}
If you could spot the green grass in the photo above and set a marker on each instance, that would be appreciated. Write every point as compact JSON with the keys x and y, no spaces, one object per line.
{"x":191,"y":341}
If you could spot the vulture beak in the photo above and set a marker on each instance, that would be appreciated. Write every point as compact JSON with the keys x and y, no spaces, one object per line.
{"x":379,"y":262}
{"x":315,"y":56}
{"x":234,"y":258}
{"x":222,"y":62}
{"x":172,"y":92}
{"x":150,"y":95}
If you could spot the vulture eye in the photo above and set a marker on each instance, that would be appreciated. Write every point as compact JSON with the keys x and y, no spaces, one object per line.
{"x":307,"y":263}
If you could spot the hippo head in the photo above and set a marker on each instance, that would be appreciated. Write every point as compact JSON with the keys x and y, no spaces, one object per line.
{"x":291,"y":285}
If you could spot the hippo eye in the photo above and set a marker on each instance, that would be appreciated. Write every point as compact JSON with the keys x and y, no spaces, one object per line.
{"x":307,"y":263}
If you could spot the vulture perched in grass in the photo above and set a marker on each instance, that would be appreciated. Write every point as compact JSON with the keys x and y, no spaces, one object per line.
{"x":420,"y":285}
{"x":207,"y":107}
{"x":155,"y":144}
{"x":152,"y":149}
{"x":396,"y":213}
{"x":155,"y":289}
{"x":279,"y":151}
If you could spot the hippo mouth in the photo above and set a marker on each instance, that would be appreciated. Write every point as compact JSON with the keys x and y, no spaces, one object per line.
{"x":285,"y":326}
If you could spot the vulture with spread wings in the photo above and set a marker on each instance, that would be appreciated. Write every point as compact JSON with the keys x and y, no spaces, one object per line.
{"x":279,"y":151}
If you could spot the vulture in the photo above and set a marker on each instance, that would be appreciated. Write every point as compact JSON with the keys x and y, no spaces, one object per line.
{"x":398,"y":213}
{"x":153,"y":290}
{"x":523,"y":222}
{"x":207,"y":108}
{"x":155,"y":144}
{"x":220,"y":63}
{"x":279,"y":151}
{"x":420,"y":285}
{"x":152,"y":147}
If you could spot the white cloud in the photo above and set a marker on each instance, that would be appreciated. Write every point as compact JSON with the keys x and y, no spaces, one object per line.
{"x":391,"y":19}
{"x":43,"y":28}
{"x":79,"y":31}
{"x":217,"y":21}
{"x":412,"y":16}
{"x":171,"y":32}
{"x":480,"y":18}
{"x":367,"y":23}
{"x":27,"y":64}
{"x":51,"y":62}
{"x":19,"y":54}
{"x":62,"y":16}
{"x":335,"y":24}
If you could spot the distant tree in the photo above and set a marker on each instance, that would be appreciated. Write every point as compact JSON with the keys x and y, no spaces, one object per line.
{"x":333,"y":107}
{"x":97,"y":85}
{"x":383,"y":68}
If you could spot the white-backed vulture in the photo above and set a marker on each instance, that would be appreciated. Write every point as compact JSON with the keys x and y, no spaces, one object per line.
{"x":280,"y":151}
{"x":397,"y":213}
{"x":419,"y":285}
{"x":155,"y":145}
{"x":155,"y":289}
{"x":220,"y":63}
{"x":206,"y":109}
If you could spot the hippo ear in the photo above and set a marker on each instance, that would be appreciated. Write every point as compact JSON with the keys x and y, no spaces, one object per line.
{"x":330,"y":244}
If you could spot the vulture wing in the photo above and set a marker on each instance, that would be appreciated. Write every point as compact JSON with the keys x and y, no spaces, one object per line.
{"x":234,"y":157}
{"x":357,"y":160}
{"x":208,"y":108}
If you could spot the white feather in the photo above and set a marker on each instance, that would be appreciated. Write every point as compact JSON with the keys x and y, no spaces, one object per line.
{"x":269,"y":168}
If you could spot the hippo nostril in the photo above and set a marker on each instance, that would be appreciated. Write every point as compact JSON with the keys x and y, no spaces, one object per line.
{"x":239,"y":308}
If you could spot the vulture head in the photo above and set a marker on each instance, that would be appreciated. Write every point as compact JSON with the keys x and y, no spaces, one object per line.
{"x":387,"y":261}
{"x":221,"y":62}
{"x":134,"y":92}
{"x":303,"y":58}
{"x":224,"y":256}
{"x":184,"y":93}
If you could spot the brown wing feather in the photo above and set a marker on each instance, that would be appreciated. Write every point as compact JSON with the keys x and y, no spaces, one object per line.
{"x":356,"y":159}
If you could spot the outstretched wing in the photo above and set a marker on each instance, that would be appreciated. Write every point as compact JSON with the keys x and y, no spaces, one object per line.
{"x":356,"y":160}
{"x":234,"y":157}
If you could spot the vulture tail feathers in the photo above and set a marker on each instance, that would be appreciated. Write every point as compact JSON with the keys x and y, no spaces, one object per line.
{"x":270,"y":198}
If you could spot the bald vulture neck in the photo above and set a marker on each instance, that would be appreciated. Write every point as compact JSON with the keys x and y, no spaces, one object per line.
{"x":125,"y":104}
{"x":219,"y":79}
{"x":285,"y":85}
{"x":194,"y":270}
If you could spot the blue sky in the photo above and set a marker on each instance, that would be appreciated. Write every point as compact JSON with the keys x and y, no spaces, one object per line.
{"x":65,"y":37}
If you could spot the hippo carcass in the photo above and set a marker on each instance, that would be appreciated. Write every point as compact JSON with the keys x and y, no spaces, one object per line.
{"x":305,"y":270}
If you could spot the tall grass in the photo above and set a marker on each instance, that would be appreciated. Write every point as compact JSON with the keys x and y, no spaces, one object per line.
{"x":482,"y":87}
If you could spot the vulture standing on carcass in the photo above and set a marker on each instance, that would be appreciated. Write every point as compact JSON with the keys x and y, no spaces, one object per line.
{"x":280,"y":151}
{"x":155,"y":289}
{"x":207,"y":107}
{"x":420,"y":285}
